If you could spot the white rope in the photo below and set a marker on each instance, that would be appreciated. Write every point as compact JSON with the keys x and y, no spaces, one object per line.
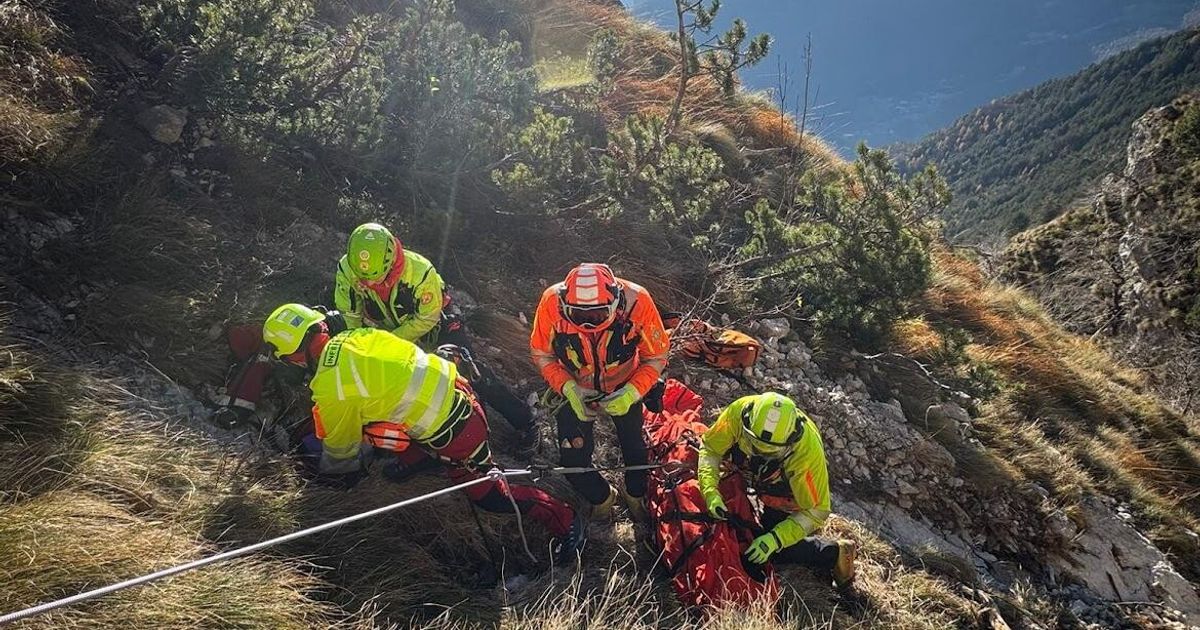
{"x":234,"y":553}
{"x":499,"y":476}
{"x":492,"y":476}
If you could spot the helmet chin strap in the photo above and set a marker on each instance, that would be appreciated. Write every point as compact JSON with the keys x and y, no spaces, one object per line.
{"x":390,"y":278}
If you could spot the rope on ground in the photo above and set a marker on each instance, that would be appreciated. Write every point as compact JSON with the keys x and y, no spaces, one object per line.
{"x":500,"y":476}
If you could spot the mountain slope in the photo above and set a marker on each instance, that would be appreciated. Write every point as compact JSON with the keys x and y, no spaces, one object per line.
{"x":208,"y":168}
{"x":1022,"y":160}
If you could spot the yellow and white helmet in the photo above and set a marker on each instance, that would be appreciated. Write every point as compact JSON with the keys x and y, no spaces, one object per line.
{"x":286,"y":327}
{"x":772,"y":424}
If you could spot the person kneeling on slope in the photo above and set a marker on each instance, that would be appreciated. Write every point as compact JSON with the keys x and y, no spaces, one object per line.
{"x":778,"y":449}
{"x":600,"y":342}
{"x":381,"y":284}
{"x":367,"y":381}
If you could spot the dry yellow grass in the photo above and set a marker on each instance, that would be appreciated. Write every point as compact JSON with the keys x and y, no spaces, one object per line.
{"x":1070,"y":416}
{"x":94,"y":492}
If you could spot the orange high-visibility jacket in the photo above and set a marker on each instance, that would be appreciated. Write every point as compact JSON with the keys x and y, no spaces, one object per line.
{"x":633,"y":349}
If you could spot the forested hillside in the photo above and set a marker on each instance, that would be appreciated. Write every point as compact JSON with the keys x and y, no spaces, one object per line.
{"x":1021,"y":160}
{"x":174,"y":167}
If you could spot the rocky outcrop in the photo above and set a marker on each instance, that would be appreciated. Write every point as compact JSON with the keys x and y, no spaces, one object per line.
{"x":1118,"y":563}
{"x":1128,"y":265}
{"x":893,"y":468}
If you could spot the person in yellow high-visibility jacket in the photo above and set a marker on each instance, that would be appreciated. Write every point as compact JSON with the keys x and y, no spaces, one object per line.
{"x":373,"y":389}
{"x":778,"y":448}
{"x":382,"y":284}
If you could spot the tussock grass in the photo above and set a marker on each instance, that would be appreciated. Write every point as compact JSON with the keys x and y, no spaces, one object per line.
{"x":93,"y":492}
{"x":41,"y":87}
{"x":647,"y":76}
{"x":65,"y":542}
{"x":1069,"y":416}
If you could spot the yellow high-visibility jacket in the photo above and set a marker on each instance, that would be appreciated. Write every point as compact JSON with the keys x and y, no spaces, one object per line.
{"x":413,"y":306}
{"x":804,"y":472}
{"x":367,"y":375}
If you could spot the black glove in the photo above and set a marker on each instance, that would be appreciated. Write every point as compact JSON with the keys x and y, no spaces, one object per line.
{"x":460,"y":356}
{"x":231,"y":417}
{"x":334,"y":320}
{"x":653,"y":400}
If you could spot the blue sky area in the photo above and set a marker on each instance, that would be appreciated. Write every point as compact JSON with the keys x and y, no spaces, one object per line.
{"x":886,"y":71}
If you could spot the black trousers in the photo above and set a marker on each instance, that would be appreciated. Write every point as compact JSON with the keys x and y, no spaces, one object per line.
{"x":577,"y":443}
{"x":488,"y":386}
{"x":819,"y":554}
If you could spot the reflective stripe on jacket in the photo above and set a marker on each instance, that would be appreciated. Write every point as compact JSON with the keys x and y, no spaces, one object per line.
{"x":632,"y":350}
{"x":413,"y":306}
{"x":803,"y":474}
{"x":367,"y":375}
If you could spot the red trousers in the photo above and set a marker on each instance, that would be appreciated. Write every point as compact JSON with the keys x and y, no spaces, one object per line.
{"x":245,"y":385}
{"x":467,"y":457}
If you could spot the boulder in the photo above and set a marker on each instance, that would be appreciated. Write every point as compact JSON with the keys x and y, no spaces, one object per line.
{"x":163,"y":123}
{"x":776,"y":328}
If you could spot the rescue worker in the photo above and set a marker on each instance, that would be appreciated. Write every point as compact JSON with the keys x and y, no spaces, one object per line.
{"x":381,"y":284}
{"x":378,"y":284}
{"x":370,"y":386}
{"x":778,"y":449}
{"x":599,"y":341}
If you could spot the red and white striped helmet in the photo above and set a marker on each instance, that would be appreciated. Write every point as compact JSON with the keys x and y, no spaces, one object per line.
{"x":589,"y":296}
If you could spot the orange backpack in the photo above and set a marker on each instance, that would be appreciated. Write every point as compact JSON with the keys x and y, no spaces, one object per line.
{"x":719,"y":347}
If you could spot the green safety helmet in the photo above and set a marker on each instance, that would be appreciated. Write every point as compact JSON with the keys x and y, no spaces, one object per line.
{"x":287,"y":327}
{"x":372,"y":251}
{"x":772,"y":423}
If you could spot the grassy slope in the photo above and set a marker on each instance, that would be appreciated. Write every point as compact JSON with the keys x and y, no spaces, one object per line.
{"x":121,"y":489}
{"x":1023,"y":159}
{"x":1063,"y":413}
{"x":118,"y":489}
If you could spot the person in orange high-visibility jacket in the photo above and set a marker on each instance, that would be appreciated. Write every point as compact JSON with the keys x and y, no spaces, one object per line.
{"x":373,"y":389}
{"x":600,"y":342}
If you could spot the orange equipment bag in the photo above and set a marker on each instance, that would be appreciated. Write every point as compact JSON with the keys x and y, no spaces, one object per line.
{"x":719,"y":347}
{"x":703,"y":555}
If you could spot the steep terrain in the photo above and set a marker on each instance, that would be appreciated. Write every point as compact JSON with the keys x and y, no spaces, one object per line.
{"x":1126,"y":266}
{"x":1021,"y":160}
{"x":175,"y":166}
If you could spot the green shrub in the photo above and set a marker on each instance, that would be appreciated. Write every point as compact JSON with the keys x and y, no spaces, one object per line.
{"x":645,"y":173}
{"x":1187,"y":132}
{"x":854,"y":247}
{"x":550,"y":165}
{"x":389,"y":96}
{"x":603,"y":55}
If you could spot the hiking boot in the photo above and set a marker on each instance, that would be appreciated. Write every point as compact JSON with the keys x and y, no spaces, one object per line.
{"x":397,"y":472}
{"x":843,"y":571}
{"x":604,"y":510}
{"x":567,"y":548}
{"x":636,"y":506}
